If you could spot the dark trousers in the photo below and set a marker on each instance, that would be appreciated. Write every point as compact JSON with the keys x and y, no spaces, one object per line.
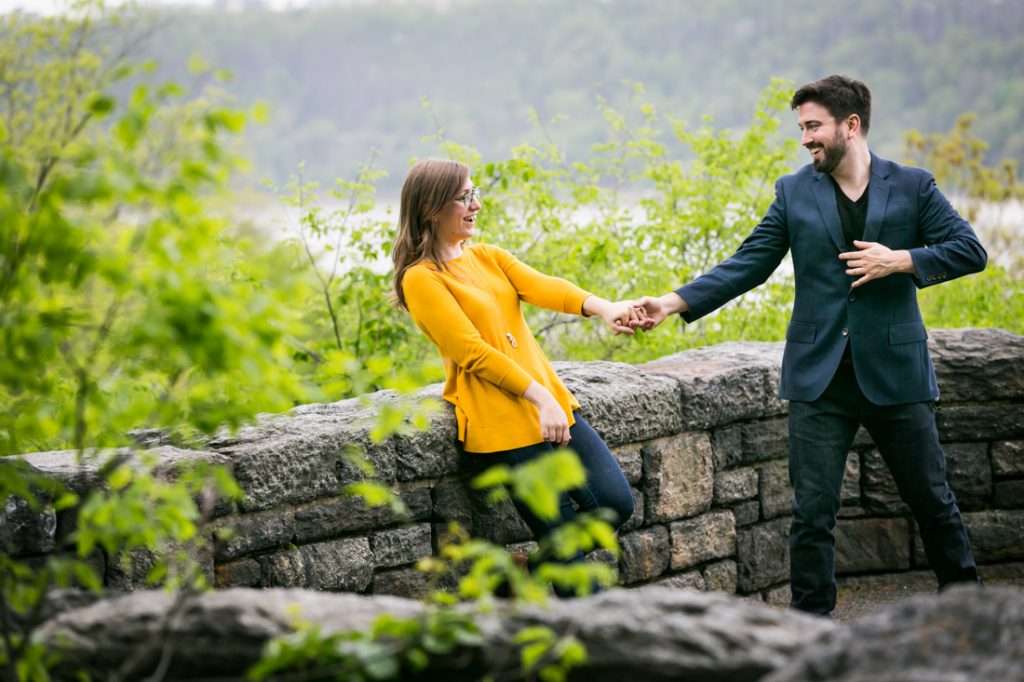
{"x":820,"y":435}
{"x":606,"y":485}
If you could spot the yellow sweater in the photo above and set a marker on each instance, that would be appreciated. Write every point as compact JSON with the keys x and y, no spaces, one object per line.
{"x":471,"y":312}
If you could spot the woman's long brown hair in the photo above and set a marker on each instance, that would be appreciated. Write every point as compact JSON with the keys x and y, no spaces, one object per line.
{"x":429,"y":185}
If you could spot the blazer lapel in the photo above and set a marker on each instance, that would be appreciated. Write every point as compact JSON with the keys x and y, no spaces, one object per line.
{"x":825,"y":193}
{"x":878,"y":198}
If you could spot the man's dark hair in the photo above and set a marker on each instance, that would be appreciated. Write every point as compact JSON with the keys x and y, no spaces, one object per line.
{"x":842,"y":96}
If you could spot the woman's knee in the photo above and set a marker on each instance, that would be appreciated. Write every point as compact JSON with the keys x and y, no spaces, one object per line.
{"x":620,"y":503}
{"x":624,"y":510}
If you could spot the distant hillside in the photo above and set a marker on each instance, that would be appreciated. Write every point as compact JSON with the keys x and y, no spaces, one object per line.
{"x":342,"y":80}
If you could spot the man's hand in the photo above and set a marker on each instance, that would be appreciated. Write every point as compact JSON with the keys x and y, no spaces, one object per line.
{"x":656,"y":309}
{"x":875,"y":261}
{"x":623,"y":317}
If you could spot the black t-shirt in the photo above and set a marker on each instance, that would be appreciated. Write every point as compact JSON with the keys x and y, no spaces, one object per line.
{"x":852,"y":214}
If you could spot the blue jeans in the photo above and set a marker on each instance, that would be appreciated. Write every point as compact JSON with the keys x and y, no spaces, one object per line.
{"x":820,"y":435}
{"x":606,"y":486}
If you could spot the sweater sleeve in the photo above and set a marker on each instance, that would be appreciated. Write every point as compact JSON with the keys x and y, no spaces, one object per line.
{"x":553,"y":293}
{"x":437,"y":312}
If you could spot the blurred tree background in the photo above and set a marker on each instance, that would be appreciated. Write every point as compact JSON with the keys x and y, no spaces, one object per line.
{"x":342,"y":79}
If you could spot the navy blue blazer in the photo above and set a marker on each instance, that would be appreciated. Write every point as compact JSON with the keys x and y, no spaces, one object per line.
{"x":880,"y":319}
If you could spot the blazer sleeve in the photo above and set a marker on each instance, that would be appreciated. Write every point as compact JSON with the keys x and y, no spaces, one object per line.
{"x":545,"y":291}
{"x":436,"y":311}
{"x":952,"y":249}
{"x":752,"y":264}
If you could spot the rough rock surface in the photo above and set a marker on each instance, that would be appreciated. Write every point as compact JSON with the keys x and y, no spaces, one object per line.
{"x":724,"y":383}
{"x":206,"y":634}
{"x":622,"y":404}
{"x":977,"y":364}
{"x":652,"y":633}
{"x":966,"y":634}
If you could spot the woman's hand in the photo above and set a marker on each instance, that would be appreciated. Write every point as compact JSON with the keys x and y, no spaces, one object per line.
{"x":554,"y":425}
{"x":622,"y":317}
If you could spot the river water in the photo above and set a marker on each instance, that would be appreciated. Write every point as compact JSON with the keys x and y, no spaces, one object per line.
{"x":1000,"y":226}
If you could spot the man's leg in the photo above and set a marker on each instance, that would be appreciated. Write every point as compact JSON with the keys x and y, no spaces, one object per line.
{"x":908,"y":441}
{"x":820,"y":435}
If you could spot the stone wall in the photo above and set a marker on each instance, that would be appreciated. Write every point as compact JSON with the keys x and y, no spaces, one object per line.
{"x":700,"y":435}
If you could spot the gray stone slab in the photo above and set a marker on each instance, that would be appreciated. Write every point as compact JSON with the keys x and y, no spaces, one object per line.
{"x":631,"y":461}
{"x":864,"y":545}
{"x":964,"y":634}
{"x":690,"y":580}
{"x":969,"y":472}
{"x":702,"y":539}
{"x":720,"y":576}
{"x":654,"y":633}
{"x":645,"y":554}
{"x":765,"y":440}
{"x":762,"y":555}
{"x":236,"y":536}
{"x":403,"y":582}
{"x":734,"y":486}
{"x":725,"y":383}
{"x":727,"y":447}
{"x":977,"y":364}
{"x":746,"y":513}
{"x":679,"y":481}
{"x":1008,"y":458}
{"x":774,"y":490}
{"x":399,"y":546}
{"x":995,"y":535}
{"x":979,"y":423}
{"x":623,"y":405}
{"x":345,"y":565}
{"x":242,"y":573}
{"x":1008,"y":494}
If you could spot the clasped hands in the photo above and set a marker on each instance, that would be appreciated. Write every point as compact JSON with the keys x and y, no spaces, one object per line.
{"x":626,"y":317}
{"x":622,"y":317}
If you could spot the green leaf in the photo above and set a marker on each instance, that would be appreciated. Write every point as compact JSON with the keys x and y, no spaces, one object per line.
{"x":532,"y":654}
{"x":100,"y":105}
{"x":120,"y":477}
{"x":493,"y":476}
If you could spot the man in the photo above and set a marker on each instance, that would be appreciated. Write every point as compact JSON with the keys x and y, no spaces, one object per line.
{"x":865,"y":234}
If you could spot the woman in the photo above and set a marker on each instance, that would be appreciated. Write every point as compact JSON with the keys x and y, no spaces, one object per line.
{"x":510,"y":406}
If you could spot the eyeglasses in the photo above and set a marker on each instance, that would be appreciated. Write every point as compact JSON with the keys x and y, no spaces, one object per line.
{"x":469,"y":196}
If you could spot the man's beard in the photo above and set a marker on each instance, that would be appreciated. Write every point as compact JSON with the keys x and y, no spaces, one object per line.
{"x":831,"y":155}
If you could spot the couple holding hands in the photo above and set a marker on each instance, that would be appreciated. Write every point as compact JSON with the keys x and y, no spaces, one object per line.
{"x":864,"y":234}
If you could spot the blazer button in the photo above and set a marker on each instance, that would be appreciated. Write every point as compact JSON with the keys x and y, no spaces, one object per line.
{"x":853,"y":297}
{"x":846,"y":332}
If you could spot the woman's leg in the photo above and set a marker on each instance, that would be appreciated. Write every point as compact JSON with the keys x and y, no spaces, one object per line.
{"x":540,"y":528}
{"x":606,"y":485}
